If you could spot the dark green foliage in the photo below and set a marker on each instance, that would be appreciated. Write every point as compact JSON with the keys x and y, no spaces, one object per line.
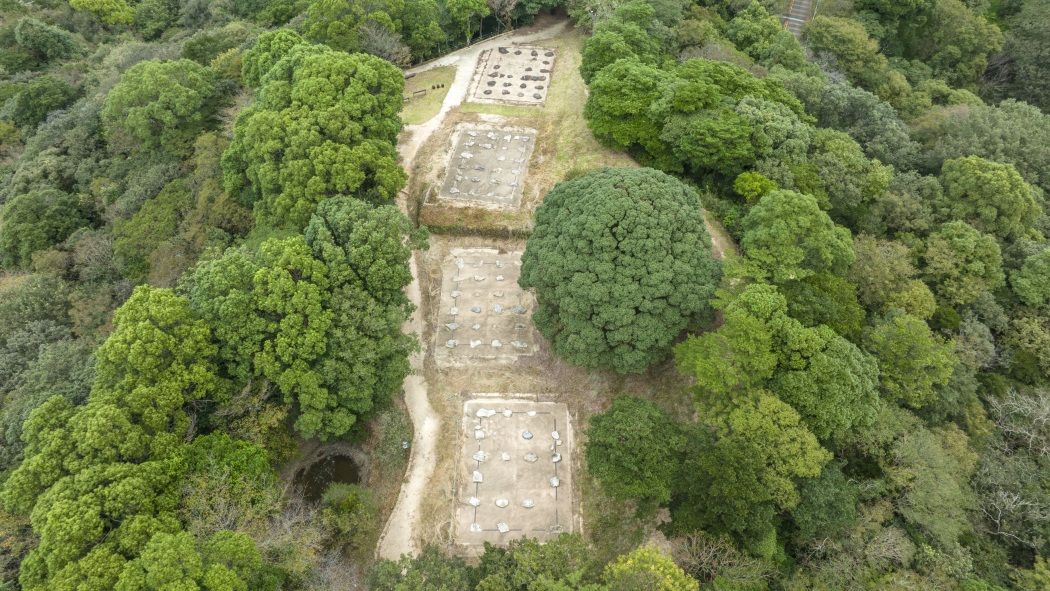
{"x":634,"y":450}
{"x":39,"y":220}
{"x":318,"y":316}
{"x":37,"y":98}
{"x":828,"y":507}
{"x":205,"y":46}
{"x":621,"y":264}
{"x":153,"y":17}
{"x":280,"y":162}
{"x":48,"y":43}
{"x":430,"y":571}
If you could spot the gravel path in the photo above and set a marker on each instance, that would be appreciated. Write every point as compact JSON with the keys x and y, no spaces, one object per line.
{"x":399,"y":534}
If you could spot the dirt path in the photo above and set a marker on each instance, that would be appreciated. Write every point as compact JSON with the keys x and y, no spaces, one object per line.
{"x":399,"y":534}
{"x":466,"y":61}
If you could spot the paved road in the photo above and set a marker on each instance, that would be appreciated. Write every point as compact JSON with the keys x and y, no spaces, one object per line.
{"x":797,"y":15}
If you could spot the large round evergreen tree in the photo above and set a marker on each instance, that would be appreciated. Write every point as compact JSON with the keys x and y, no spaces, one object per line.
{"x":621,"y":264}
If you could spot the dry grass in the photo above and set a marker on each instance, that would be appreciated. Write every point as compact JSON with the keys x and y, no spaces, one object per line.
{"x":420,"y":109}
{"x":563,"y":143}
{"x":585,"y":392}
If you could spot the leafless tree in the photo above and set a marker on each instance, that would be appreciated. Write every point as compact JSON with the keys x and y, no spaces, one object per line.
{"x":382,"y":42}
{"x":501,"y":9}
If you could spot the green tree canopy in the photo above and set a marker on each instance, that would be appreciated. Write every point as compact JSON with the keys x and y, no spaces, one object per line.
{"x":961,"y":263}
{"x":269,"y":49}
{"x":38,"y":98}
{"x":1031,"y":282}
{"x":160,"y":104}
{"x":634,"y":450}
{"x":38,"y":220}
{"x":787,"y":237}
{"x":991,"y":197}
{"x":46,"y":41}
{"x":913,"y":361}
{"x":325,"y":124}
{"x":621,"y":264}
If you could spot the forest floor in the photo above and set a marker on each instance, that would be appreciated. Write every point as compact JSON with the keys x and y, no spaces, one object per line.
{"x":425,"y":509}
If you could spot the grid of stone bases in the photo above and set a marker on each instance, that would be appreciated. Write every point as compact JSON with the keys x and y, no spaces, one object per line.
{"x":488,"y":166}
{"x":517,"y":74}
{"x":515,"y":476}
{"x":484,"y":314}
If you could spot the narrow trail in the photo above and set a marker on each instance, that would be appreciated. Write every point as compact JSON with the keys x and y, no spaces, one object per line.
{"x":399,"y":534}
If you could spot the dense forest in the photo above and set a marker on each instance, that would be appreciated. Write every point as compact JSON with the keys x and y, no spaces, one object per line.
{"x":202,"y":265}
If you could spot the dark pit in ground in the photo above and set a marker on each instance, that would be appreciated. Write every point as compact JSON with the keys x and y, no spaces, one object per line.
{"x":334,"y":468}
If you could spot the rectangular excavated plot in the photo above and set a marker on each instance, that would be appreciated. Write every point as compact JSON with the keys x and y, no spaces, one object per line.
{"x":517,"y":74}
{"x":483,"y":313}
{"x":521,"y":453}
{"x":488,"y":165}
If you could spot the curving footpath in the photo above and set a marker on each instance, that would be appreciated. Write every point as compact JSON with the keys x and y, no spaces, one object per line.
{"x":399,"y":535}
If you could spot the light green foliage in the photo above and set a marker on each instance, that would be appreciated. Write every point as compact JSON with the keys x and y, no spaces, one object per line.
{"x":161,"y":105}
{"x":1032,"y":282}
{"x":753,"y":186}
{"x":101,"y":480}
{"x":36,"y":221}
{"x":348,"y":514}
{"x":1010,"y":133}
{"x":702,"y":116}
{"x":774,"y":433}
{"x":136,"y":238}
{"x":837,"y":390}
{"x":925,"y":471}
{"x":463,"y":12}
{"x":787,"y":237}
{"x":961,"y":263}
{"x":617,"y":108}
{"x":159,"y":358}
{"x":648,"y":568}
{"x":109,"y":11}
{"x":991,"y":197}
{"x":622,"y":36}
{"x":325,"y":124}
{"x":1036,"y":578}
{"x":38,"y":98}
{"x":269,"y":49}
{"x":430,"y":571}
{"x":912,"y":360}
{"x":827,"y":379}
{"x":634,"y":450}
{"x":621,"y":264}
{"x":47,"y":42}
{"x":740,"y":355}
